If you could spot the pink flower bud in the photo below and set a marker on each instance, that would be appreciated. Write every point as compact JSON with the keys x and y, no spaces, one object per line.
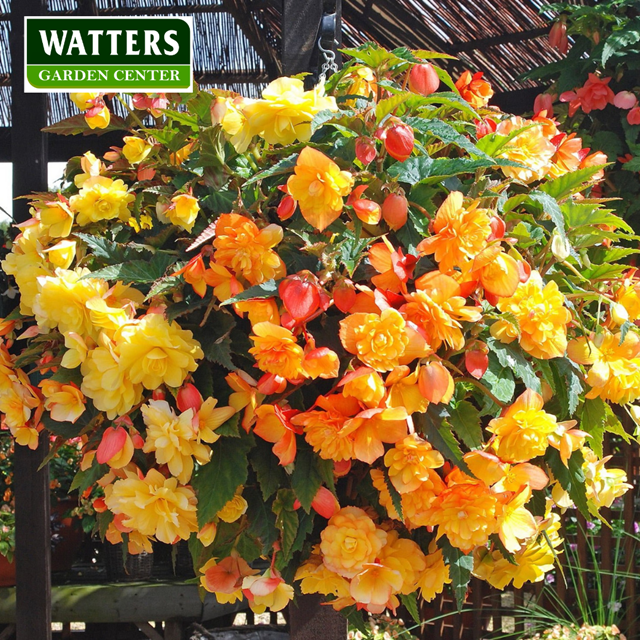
{"x":394,"y":210}
{"x":633,"y":117}
{"x":625,"y":100}
{"x":423,"y":79}
{"x":544,"y":102}
{"x":365,"y":150}
{"x":558,"y":37}
{"x":399,"y":141}
{"x":189,"y":398}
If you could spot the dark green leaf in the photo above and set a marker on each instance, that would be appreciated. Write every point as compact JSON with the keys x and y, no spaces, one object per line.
{"x":387,"y":105}
{"x":261,"y":519}
{"x":445,"y":132}
{"x":460,"y":567}
{"x":216,"y":482}
{"x":137,"y":271}
{"x":306,"y":479}
{"x":286,"y":520}
{"x":410,"y":603}
{"x":465,"y":420}
{"x":270,"y":473}
{"x":85,"y":479}
{"x":109,"y":251}
{"x":282,"y":167}
{"x":396,"y":498}
{"x":499,"y":379}
{"x":434,"y":428}
{"x":570,"y":373}
{"x":230,"y":428}
{"x":78,"y":124}
{"x":510,"y":357}
{"x":267,"y":289}
{"x":412,"y":170}
{"x":571,"y":478}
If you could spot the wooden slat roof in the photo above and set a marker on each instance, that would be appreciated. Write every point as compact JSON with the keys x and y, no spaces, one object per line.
{"x":237,"y":42}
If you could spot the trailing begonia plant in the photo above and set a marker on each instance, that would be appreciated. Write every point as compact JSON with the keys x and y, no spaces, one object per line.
{"x":371,"y":331}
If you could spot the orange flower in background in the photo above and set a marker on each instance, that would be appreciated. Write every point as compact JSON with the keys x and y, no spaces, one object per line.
{"x":541,"y":315}
{"x":476,"y":91}
{"x":596,"y":94}
{"x":439,"y":310}
{"x":277,"y":351}
{"x":319,"y":186}
{"x":247,"y":250}
{"x":394,"y":267}
{"x":459,"y":233}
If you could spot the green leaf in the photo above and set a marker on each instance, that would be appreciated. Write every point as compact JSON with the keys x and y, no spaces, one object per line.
{"x":267,"y":289}
{"x":78,"y":124}
{"x":270,"y":473}
{"x":571,"y":477}
{"x":551,"y":208}
{"x":412,"y":170}
{"x":570,"y":372}
{"x":230,"y":428}
{"x":613,"y":425}
{"x":216,"y":482}
{"x":592,"y":420}
{"x":261,"y":519}
{"x":182,"y":117}
{"x":85,"y":479}
{"x":286,"y":520}
{"x":499,"y":379}
{"x":112,"y":252}
{"x":465,"y":421}
{"x":72,"y":429}
{"x":445,"y":132}
{"x":387,"y":105}
{"x":410,"y":603}
{"x":212,"y":141}
{"x":306,"y":479}
{"x":137,"y":271}
{"x":281,"y":167}
{"x":450,"y":99}
{"x":569,"y":183}
{"x":215,"y":341}
{"x":621,"y":39}
{"x":434,"y":428}
{"x":396,"y":498}
{"x":460,"y":567}
{"x":511,"y":358}
{"x":200,"y":105}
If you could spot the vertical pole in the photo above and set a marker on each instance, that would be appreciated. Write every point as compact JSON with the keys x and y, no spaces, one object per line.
{"x":300,"y":22}
{"x":33,"y":532}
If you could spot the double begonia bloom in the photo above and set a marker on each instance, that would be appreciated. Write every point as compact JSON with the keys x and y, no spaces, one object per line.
{"x":286,"y":110}
{"x":596,"y":94}
{"x":476,"y":91}
{"x":614,"y":373}
{"x":350,"y":541}
{"x":154,"y":505}
{"x":234,"y":509}
{"x":319,"y":186}
{"x":603,"y":485}
{"x":435,"y":574}
{"x":382,"y":341}
{"x":277,"y":351}
{"x":465,"y":512}
{"x":267,"y":591}
{"x":438,"y":308}
{"x":247,"y":250}
{"x":409,"y":463}
{"x":542,"y":317}
{"x":57,"y":219}
{"x":393,"y":267}
{"x":459,"y":233}
{"x":173,"y":439}
{"x":101,"y":198}
{"x":135,"y":149}
{"x":364,"y":384}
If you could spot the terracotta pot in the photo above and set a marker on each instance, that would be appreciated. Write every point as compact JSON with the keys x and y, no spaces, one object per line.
{"x":7,"y":572}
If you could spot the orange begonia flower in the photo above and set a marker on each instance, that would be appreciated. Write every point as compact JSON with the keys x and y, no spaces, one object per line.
{"x":476,"y":91}
{"x":247,"y":250}
{"x":318,"y":186}
{"x":245,"y":396}
{"x":273,"y":424}
{"x":277,"y":351}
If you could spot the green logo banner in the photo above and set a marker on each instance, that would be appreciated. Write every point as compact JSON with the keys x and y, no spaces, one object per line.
{"x":109,"y":54}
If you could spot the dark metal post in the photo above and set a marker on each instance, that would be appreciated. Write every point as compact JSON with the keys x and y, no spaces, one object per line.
{"x":300,"y":22}
{"x":33,"y":530}
{"x":309,"y":619}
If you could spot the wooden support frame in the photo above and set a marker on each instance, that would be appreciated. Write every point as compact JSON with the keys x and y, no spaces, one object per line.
{"x":33,"y":527}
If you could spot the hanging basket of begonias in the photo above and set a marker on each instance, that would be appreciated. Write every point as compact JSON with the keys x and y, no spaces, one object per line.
{"x":371,"y":332}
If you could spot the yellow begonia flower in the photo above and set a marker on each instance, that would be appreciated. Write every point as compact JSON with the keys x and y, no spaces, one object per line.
{"x":366,"y":385}
{"x":154,"y":351}
{"x":98,"y":117}
{"x":57,"y":219}
{"x":435,"y":574}
{"x":83,"y":101}
{"x":318,"y":185}
{"x":101,"y":198}
{"x":268,"y":591}
{"x":409,"y":463}
{"x":135,"y":149}
{"x":65,"y":402}
{"x":184,"y":211}
{"x":173,"y":439}
{"x":277,"y":351}
{"x":541,"y":315}
{"x":154,"y":505}
{"x":234,"y":509}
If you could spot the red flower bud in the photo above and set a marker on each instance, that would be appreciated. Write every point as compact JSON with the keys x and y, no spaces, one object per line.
{"x":399,"y":141}
{"x":158,"y":394}
{"x":558,"y":37}
{"x":113,"y":439}
{"x":365,"y":150}
{"x":325,"y":503}
{"x":302,"y":295}
{"x":138,"y":441}
{"x":341,"y":468}
{"x":189,"y":398}
{"x":394,"y":210}
{"x":271,"y":383}
{"x":477,"y":360}
{"x":485,"y":127}
{"x":524,"y":270}
{"x":423,"y":79}
{"x":344,"y":295}
{"x":286,"y":208}
{"x":435,"y":383}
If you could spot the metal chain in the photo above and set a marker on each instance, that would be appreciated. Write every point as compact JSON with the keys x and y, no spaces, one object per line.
{"x":329,"y":64}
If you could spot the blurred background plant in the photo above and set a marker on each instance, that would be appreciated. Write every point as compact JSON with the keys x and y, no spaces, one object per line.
{"x":594,"y":91}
